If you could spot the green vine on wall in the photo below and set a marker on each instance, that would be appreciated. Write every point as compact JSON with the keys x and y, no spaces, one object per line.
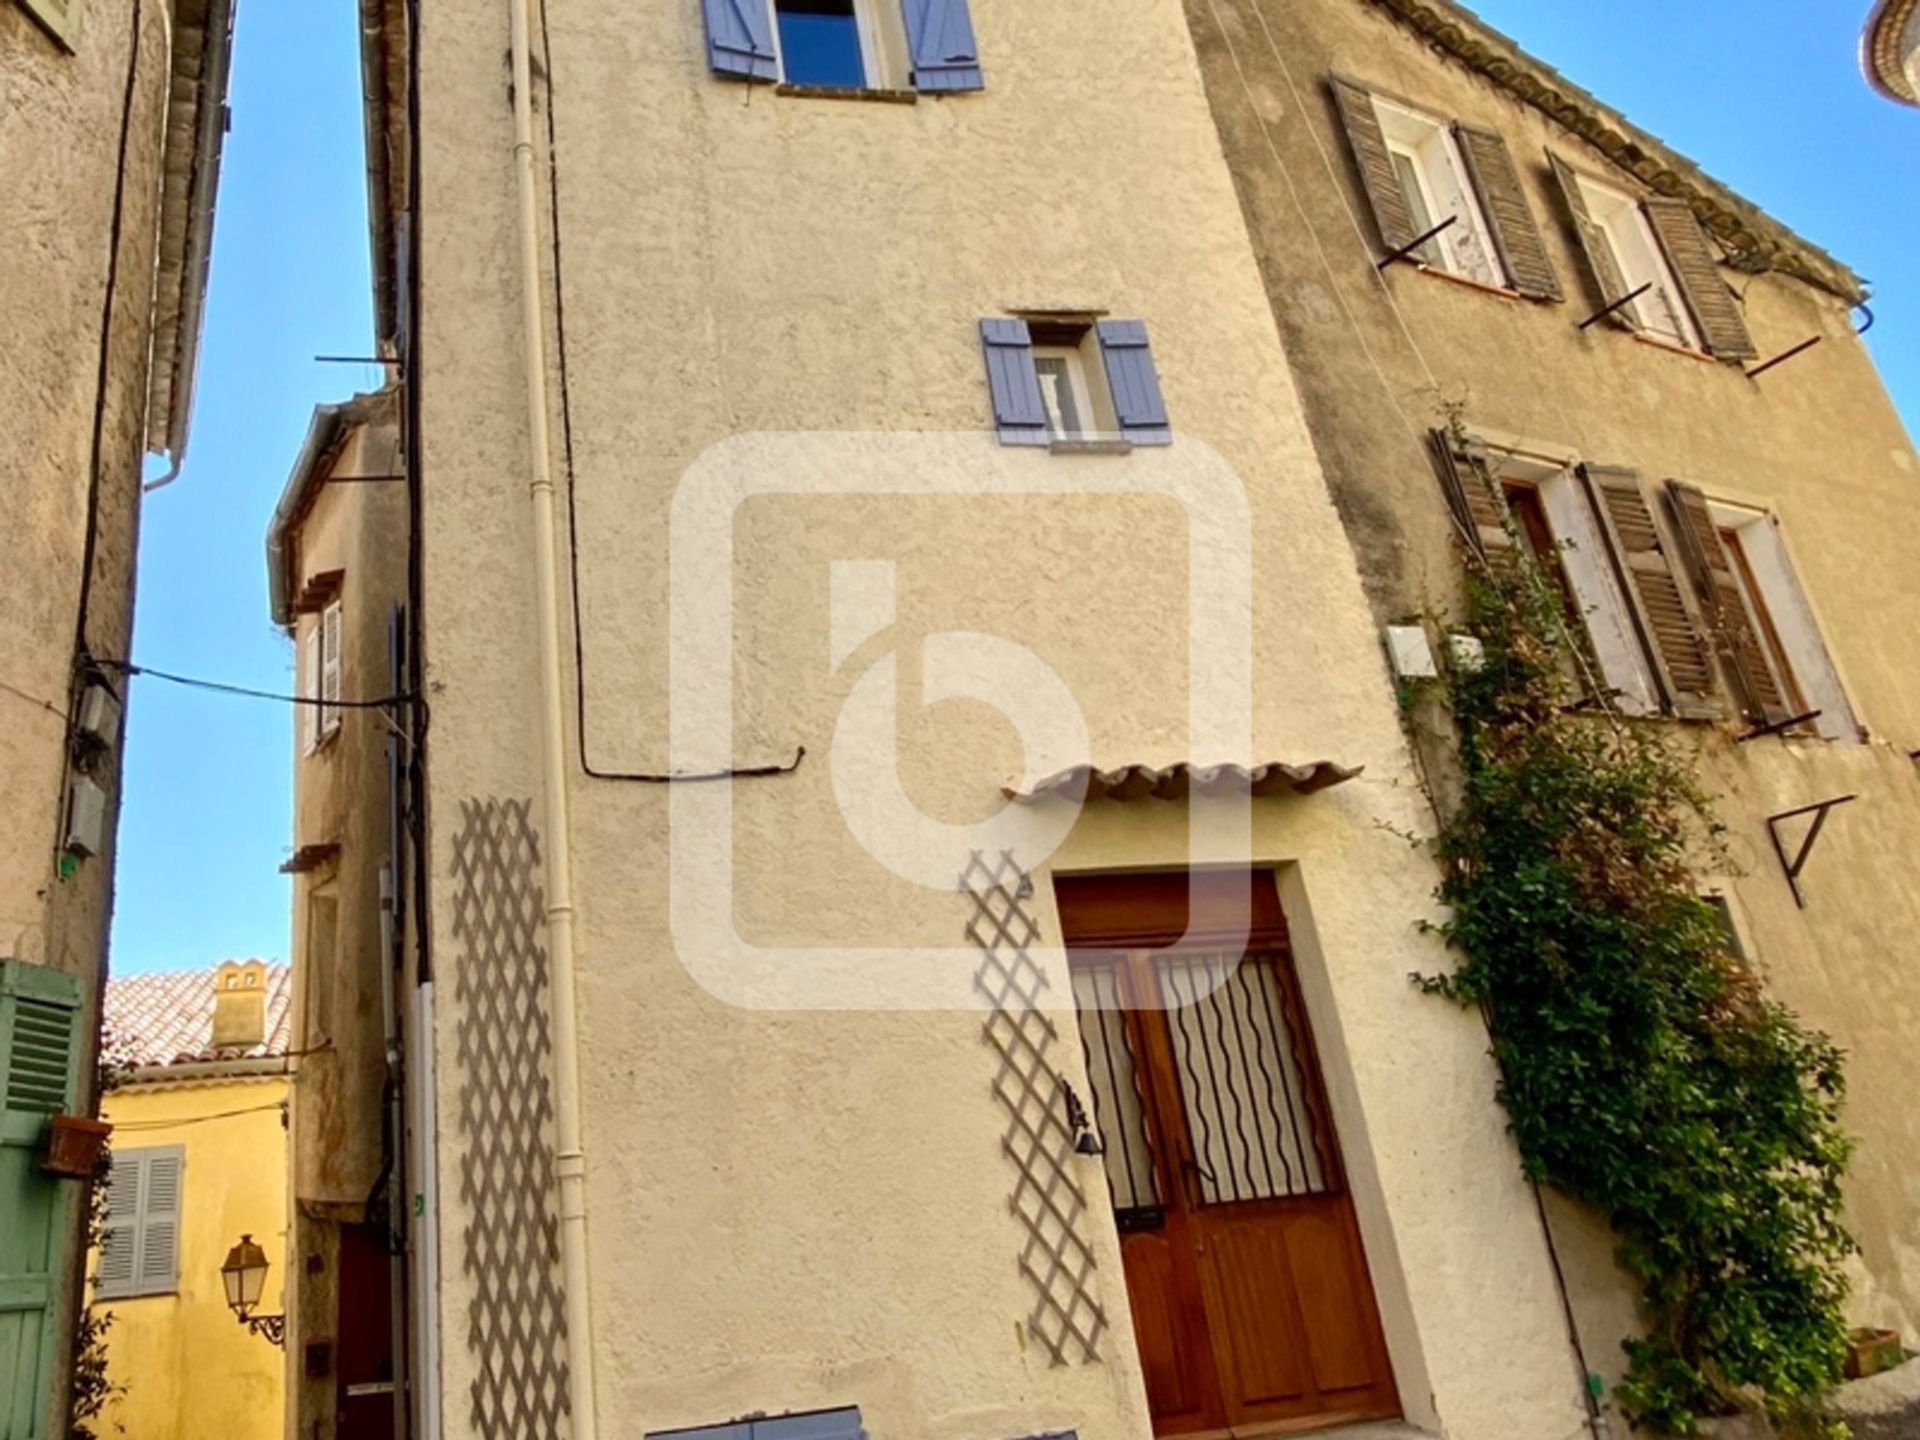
{"x":1644,"y":1071}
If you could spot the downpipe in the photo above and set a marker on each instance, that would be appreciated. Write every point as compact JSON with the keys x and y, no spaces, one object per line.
{"x":569,"y":1161}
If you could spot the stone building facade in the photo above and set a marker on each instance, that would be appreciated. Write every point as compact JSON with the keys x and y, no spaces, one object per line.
{"x":111,"y":121}
{"x":1667,"y":385}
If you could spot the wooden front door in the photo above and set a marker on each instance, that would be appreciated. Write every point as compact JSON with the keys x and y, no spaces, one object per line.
{"x":1249,"y":1289}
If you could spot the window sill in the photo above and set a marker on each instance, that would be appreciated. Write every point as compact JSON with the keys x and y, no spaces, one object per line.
{"x":1673,"y":347}
{"x":1091,"y":447}
{"x":848,"y":92}
{"x":1468,"y":282}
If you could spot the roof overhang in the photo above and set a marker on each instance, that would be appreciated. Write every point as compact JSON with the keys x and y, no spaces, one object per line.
{"x":383,"y":98}
{"x":326,"y":434}
{"x":1886,"y":47}
{"x":190,"y":183}
{"x":1754,"y":240}
{"x":1181,"y":781}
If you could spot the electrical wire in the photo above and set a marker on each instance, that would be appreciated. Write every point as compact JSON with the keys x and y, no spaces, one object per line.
{"x":637,"y":777}
{"x":220,"y":687}
{"x":126,"y":1127}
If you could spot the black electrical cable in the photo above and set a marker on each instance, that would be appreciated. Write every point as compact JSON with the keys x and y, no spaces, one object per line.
{"x":748,"y":772}
{"x":221,"y":687}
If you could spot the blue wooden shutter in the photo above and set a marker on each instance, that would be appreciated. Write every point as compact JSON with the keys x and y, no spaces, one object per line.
{"x":740,"y":38}
{"x":1137,"y":402}
{"x":1019,"y":413}
{"x":39,"y":1077}
{"x":940,"y":38}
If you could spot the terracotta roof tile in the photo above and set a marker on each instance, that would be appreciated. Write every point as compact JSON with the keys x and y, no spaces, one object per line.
{"x":166,"y":1018}
{"x":1176,"y":782}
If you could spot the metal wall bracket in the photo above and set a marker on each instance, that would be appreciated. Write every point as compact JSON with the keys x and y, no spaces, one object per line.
{"x":1414,"y":244}
{"x":1777,"y":727}
{"x":1798,"y":863}
{"x":1785,"y":355}
{"x":1620,"y":304}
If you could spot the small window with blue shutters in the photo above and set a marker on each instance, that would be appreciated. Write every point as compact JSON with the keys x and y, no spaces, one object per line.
{"x":843,"y":1424}
{"x":1068,"y":382}
{"x":845,"y":45}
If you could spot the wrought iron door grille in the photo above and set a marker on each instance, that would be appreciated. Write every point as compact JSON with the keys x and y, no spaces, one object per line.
{"x":1119,"y":1106}
{"x":1241,"y":1071}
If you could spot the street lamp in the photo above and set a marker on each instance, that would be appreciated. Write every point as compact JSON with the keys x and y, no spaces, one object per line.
{"x":245,"y":1276}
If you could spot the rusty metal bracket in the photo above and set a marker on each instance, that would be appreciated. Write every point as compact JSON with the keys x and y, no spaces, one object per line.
{"x":1785,"y":355}
{"x":1620,"y":304}
{"x":1798,"y":863}
{"x":1414,"y":244}
{"x":1777,"y":727}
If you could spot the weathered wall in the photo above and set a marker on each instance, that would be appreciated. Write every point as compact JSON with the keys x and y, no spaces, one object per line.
{"x":185,"y":1368}
{"x":1816,"y":440}
{"x":60,"y":126}
{"x":340,"y":798}
{"x":797,"y":1209}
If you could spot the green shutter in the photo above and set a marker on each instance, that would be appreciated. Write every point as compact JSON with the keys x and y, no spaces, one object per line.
{"x":40,"y":1015}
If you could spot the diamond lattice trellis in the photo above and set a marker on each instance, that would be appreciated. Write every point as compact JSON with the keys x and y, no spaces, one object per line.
{"x":511,"y":1247}
{"x":1047,"y":1200}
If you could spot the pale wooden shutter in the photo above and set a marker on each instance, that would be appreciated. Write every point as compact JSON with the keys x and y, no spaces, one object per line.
{"x":1019,"y":412}
{"x":1473,"y":496}
{"x":1377,"y":176}
{"x":940,"y":39}
{"x":61,"y":19}
{"x":1735,"y":638}
{"x":740,"y":39}
{"x":310,"y":690}
{"x":1603,"y":270}
{"x":1715,"y":310}
{"x":1503,"y":200}
{"x":120,"y":1236}
{"x":330,"y":669}
{"x":159,"y":1263}
{"x":1665,"y":620}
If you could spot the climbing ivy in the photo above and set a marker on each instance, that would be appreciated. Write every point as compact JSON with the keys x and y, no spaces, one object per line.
{"x":1643,"y":1070}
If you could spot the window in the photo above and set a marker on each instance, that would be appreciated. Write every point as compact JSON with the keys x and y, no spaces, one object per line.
{"x":821,"y":43}
{"x":140,"y":1245}
{"x":841,"y":1424}
{"x":317,"y":979}
{"x":1433,"y":183}
{"x":1070,"y":380}
{"x":328,"y":711}
{"x":1730,"y":931}
{"x":1636,"y":255}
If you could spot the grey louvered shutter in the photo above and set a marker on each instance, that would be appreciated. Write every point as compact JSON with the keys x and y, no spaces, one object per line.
{"x":940,"y":40}
{"x":1377,"y":176}
{"x":1019,"y":412}
{"x":61,"y":18}
{"x":120,"y":1236}
{"x":1503,"y":200}
{"x":1715,"y":310}
{"x":159,"y":1251}
{"x":1735,"y":639}
{"x":1603,"y":270}
{"x":1473,"y":496}
{"x":1133,"y":381}
{"x":1669,"y":630}
{"x":740,"y":38}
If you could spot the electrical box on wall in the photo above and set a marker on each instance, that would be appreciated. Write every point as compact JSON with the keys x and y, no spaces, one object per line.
{"x":98,"y":718}
{"x":1411,"y":654}
{"x":86,"y":816}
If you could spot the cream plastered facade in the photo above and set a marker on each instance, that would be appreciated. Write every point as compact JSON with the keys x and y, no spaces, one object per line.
{"x":1816,"y":442}
{"x":182,"y":1366}
{"x":805,"y":1207}
{"x":354,"y":532}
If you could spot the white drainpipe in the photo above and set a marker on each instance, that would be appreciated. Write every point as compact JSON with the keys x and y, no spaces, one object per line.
{"x":569,"y":1161}
{"x":426,"y":1235}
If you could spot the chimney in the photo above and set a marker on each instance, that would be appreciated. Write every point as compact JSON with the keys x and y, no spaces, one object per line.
{"x":239,"y":1004}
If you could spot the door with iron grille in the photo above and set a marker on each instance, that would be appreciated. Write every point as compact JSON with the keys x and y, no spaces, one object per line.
{"x":1251,"y":1301}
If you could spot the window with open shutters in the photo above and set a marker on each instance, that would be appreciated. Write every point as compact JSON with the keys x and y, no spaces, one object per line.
{"x":328,"y":711}
{"x":40,"y":1043}
{"x":927,"y":45}
{"x":140,"y":1244}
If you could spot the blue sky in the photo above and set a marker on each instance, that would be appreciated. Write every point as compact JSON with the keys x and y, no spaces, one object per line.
{"x":1766,"y":94}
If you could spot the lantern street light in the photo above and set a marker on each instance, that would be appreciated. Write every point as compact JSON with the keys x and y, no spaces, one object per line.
{"x":245,"y":1277}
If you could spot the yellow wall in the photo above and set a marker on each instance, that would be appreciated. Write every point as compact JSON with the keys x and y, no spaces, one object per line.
{"x":188,"y":1368}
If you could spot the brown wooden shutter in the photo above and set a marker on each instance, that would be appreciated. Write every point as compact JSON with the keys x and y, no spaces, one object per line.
{"x":1736,"y":640}
{"x":1503,"y":200}
{"x":1714,"y":307}
{"x":1390,"y":209}
{"x":1669,"y":631}
{"x":1603,"y":270}
{"x":1473,"y":496}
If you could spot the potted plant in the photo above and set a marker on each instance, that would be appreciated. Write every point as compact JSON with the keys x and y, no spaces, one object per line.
{"x":74,"y":1143}
{"x":1870,"y":1351}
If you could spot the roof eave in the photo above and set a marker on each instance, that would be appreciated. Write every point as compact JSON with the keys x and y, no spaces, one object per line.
{"x":1881,"y":47}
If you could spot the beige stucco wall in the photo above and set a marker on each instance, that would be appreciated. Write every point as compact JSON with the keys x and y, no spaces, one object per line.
{"x":792,"y":1210}
{"x":182,"y":1366}
{"x":60,"y":117}
{"x":1816,"y":441}
{"x":340,"y":797}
